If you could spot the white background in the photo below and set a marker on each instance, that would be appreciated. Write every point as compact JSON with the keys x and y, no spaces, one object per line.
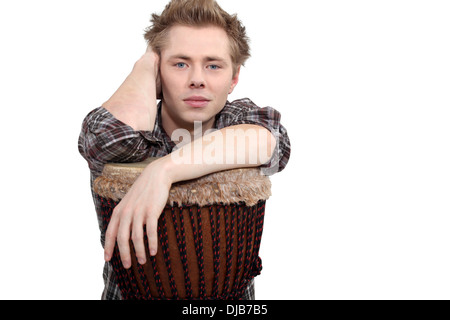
{"x":361,"y":211}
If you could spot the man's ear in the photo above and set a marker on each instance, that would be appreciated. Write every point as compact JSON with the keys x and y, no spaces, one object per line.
{"x":235,"y":80}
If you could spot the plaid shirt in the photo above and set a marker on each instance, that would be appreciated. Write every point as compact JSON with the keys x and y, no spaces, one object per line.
{"x":105,"y":139}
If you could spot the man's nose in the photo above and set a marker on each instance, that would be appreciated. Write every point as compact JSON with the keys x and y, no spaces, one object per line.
{"x":197,"y":79}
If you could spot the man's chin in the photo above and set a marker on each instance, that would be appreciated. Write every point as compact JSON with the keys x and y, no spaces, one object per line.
{"x":198,"y":116}
{"x":200,"y":123}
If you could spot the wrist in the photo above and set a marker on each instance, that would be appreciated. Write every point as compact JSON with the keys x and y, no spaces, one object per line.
{"x":165,"y":168}
{"x":147,"y":67}
{"x":168,"y":167}
{"x":148,"y":63}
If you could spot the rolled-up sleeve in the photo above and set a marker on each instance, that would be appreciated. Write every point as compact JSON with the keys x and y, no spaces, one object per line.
{"x":244,"y":111}
{"x":105,"y":139}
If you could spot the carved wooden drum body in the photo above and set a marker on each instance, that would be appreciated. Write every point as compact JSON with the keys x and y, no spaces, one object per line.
{"x":209,"y":235}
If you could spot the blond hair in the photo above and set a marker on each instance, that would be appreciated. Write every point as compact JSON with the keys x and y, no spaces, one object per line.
{"x":199,"y":13}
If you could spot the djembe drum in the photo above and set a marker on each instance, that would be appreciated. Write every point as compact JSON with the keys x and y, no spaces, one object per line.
{"x":209,"y":235}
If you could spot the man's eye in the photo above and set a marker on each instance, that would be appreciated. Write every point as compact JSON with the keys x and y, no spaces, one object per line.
{"x":214,"y":67}
{"x":180,"y":65}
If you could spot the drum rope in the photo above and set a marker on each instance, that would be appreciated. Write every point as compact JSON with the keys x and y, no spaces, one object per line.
{"x":230,"y":227}
{"x":257,"y":264}
{"x":164,"y":240}
{"x":157,"y":278}
{"x":198,"y":240}
{"x":181,"y":241}
{"x":240,"y":247}
{"x":250,"y":236}
{"x":144,"y":281}
{"x":215,"y":231}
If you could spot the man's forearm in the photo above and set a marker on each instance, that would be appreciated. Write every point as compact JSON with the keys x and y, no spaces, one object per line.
{"x":240,"y":146}
{"x":134,"y":103}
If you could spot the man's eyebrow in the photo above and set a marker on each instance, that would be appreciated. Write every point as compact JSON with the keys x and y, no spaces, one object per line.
{"x":208,"y":58}
{"x":179,"y":56}
{"x":215,"y":59}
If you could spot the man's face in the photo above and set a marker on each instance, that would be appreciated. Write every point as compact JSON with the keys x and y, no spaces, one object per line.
{"x":196,"y":76}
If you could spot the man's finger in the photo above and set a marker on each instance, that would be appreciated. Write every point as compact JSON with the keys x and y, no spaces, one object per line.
{"x":137,"y":235}
{"x":110,"y":238}
{"x":123,"y":241}
{"x":152,"y":234}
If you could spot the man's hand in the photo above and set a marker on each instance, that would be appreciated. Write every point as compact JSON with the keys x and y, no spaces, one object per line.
{"x":142,"y":205}
{"x":134,"y":103}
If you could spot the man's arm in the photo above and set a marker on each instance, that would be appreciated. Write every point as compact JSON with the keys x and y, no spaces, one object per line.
{"x":225,"y":149}
{"x":239,"y":146}
{"x":134,"y":103}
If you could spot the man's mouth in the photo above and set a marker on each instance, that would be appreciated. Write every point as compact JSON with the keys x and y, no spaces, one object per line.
{"x":197,"y":101}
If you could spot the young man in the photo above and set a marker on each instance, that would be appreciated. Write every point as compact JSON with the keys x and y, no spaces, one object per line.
{"x":192,"y":64}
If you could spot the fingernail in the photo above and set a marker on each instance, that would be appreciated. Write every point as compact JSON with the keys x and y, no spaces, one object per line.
{"x":107,"y":257}
{"x":142,"y":261}
{"x":153,"y":252}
